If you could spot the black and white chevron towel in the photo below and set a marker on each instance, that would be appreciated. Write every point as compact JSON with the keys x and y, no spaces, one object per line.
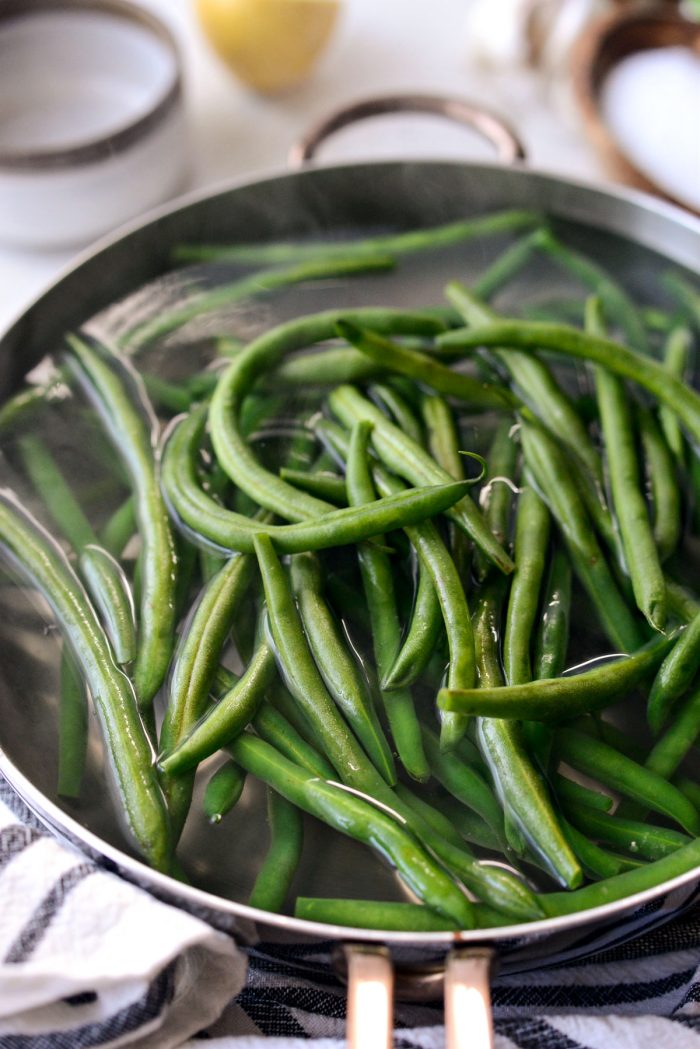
{"x":89,"y":960}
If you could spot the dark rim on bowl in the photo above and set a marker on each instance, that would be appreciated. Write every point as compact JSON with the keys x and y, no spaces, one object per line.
{"x":117,"y":141}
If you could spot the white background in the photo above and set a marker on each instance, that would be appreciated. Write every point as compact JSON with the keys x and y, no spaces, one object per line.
{"x":379,"y":46}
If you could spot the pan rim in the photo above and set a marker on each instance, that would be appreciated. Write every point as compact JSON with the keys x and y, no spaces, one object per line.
{"x":197,"y":899}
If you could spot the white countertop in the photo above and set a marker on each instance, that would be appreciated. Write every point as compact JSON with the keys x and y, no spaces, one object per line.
{"x":393,"y":45}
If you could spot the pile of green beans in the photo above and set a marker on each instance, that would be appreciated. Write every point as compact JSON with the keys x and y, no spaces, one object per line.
{"x":407,"y":573}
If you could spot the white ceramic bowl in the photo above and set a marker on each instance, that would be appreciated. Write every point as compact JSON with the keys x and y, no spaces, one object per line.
{"x":91,"y":118}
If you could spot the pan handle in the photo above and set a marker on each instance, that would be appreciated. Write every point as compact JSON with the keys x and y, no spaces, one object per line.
{"x":492,"y":127}
{"x":370,"y":977}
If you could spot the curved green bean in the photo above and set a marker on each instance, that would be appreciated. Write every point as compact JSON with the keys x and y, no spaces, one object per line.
{"x":223,"y":791}
{"x":277,"y":870}
{"x":675,"y":675}
{"x":109,"y":588}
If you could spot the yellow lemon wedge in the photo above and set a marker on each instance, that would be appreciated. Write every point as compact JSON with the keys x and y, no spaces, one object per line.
{"x":271,"y":45}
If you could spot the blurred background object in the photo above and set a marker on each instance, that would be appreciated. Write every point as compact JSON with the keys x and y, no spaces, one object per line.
{"x":271,"y":45}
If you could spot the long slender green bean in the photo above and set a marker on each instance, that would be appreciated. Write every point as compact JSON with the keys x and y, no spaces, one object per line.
{"x":403,"y":243}
{"x":254,"y":284}
{"x":57,"y":495}
{"x":639,"y":839}
{"x":223,"y":791}
{"x":671,"y":748}
{"x":675,"y":675}
{"x":277,"y":870}
{"x":531,"y":544}
{"x":663,"y":484}
{"x":126,"y":428}
{"x":349,"y":814}
{"x":378,"y":584}
{"x":343,"y":677}
{"x":560,"y":699}
{"x":372,"y":914}
{"x":409,"y":460}
{"x":552,"y":637}
{"x":676,"y":358}
{"x":619,"y":438}
{"x":555,"y":484}
{"x":109,"y":588}
{"x":129,"y":754}
{"x":203,"y":517}
{"x":604,"y":763}
{"x":562,"y":339}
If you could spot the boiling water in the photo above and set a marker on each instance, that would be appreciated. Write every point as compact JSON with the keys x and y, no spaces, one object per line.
{"x":223,"y":859}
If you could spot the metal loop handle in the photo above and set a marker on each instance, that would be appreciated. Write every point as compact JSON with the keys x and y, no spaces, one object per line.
{"x":490,"y":126}
{"x":370,"y":976}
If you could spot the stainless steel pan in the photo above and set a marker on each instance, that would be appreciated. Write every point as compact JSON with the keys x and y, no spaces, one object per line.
{"x":633,"y":234}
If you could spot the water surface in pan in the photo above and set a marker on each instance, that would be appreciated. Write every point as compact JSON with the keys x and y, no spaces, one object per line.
{"x":224,"y":859}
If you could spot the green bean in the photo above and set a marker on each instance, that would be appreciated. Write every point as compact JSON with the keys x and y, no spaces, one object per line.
{"x":201,"y":516}
{"x":421,"y":638}
{"x":276,"y":729}
{"x":665,"y":493}
{"x":194,"y":668}
{"x":129,"y":754}
{"x":671,"y":748}
{"x":327,"y":367}
{"x":349,"y":814}
{"x":223,"y":791}
{"x":393,"y":243}
{"x":497,"y":495}
{"x":327,"y":486}
{"x":690,"y":788}
{"x":423,"y":369}
{"x":371,"y":914}
{"x":641,"y":839}
{"x":397,"y":407}
{"x":471,"y":827}
{"x":552,"y":636}
{"x":234,"y":711}
{"x":681,"y":602}
{"x":531,"y":543}
{"x":595,"y":861}
{"x":377,"y":580}
{"x":253,"y":285}
{"x":505,"y":267}
{"x":675,"y":675}
{"x":127,"y":430}
{"x":559,"y":699}
{"x":562,"y":339}
{"x":676,"y":356}
{"x":614,"y":298}
{"x":685,"y":294}
{"x":109,"y":589}
{"x":58,"y":497}
{"x":404,"y":457}
{"x":119,"y":528}
{"x":167,"y":395}
{"x":536,"y":383}
{"x":625,"y":885}
{"x":304,"y":681}
{"x":638,"y":543}
{"x":597,"y":759}
{"x":72,"y":728}
{"x":497,"y":886}
{"x":343,"y":678}
{"x":256,"y":360}
{"x":277,"y":870}
{"x":576,"y":795}
{"x":463,"y":782}
{"x":444,"y":446}
{"x":555,"y":484}
{"x":528,"y":811}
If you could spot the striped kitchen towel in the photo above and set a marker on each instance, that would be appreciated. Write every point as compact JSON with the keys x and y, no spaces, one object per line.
{"x":86,"y":959}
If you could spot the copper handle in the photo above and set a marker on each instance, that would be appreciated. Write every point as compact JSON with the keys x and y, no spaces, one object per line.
{"x":468,"y":1019}
{"x":370,"y":976}
{"x":492,"y":127}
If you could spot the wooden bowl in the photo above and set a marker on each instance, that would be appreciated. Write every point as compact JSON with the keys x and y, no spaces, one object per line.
{"x":606,"y":42}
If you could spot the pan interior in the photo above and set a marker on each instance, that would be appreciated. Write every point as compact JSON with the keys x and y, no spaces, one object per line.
{"x":224,"y":859}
